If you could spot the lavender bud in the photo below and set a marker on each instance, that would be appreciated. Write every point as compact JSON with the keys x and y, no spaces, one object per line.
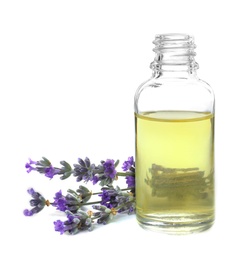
{"x":79,"y":178}
{"x":96,"y":214}
{"x":87,"y":162}
{"x":90,"y":228}
{"x":81,"y":162}
{"x":73,"y":208}
{"x":34,"y":202}
{"x":88,"y":221}
{"x":36,"y":210}
{"x":99,"y":207}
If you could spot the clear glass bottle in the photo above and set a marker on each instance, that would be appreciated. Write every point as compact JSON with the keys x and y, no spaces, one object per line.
{"x":174,"y":124}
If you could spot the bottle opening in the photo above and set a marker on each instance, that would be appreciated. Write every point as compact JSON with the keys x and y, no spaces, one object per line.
{"x":174,"y":49}
{"x":174,"y":41}
{"x":174,"y":37}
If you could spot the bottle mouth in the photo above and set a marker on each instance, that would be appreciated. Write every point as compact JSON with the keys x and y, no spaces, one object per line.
{"x":174,"y":50}
{"x":174,"y":37}
{"x":165,"y":42}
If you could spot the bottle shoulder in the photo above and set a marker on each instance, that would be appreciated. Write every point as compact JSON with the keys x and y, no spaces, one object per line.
{"x":174,"y":93}
{"x":206,"y":86}
{"x":194,"y":83}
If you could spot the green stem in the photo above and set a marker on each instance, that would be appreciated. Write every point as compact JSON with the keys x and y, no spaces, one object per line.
{"x":126,"y":189}
{"x":90,"y":203}
{"x":125,"y":174}
{"x":95,"y":193}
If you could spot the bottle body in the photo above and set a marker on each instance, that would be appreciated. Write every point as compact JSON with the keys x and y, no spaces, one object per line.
{"x":174,"y":124}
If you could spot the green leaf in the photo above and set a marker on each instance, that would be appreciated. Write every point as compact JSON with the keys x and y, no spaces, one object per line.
{"x":116,"y":163}
{"x":83,"y":190}
{"x":45,"y":161}
{"x":65,"y":175}
{"x":66,"y":165}
{"x":72,"y":192}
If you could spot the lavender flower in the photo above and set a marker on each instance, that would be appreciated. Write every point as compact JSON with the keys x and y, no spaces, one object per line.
{"x":95,"y":179}
{"x":104,"y":214}
{"x":129,"y":209}
{"x":106,"y":172}
{"x":109,"y":197}
{"x":84,"y":170}
{"x":59,"y":226}
{"x":38,"y":202}
{"x":73,"y":200}
{"x":109,"y":168}
{"x":70,"y":225}
{"x":118,"y":199}
{"x":130,"y":181}
{"x":59,"y":201}
{"x":43,"y":166}
{"x":29,"y":166}
{"x":127,"y":204}
{"x":129,"y":165}
{"x":50,"y":171}
{"x":74,"y":223}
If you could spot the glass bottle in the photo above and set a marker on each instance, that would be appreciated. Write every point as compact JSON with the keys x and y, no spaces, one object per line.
{"x":174,"y":135}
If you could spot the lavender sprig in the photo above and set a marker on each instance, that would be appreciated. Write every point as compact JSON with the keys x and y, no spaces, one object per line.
{"x":104,"y":174}
{"x":45,"y":167}
{"x":79,"y":221}
{"x":112,"y":201}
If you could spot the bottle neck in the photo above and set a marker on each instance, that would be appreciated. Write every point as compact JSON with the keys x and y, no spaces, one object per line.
{"x":174,"y":56}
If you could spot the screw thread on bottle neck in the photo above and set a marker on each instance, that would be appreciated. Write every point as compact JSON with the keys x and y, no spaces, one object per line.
{"x":174,"y":52}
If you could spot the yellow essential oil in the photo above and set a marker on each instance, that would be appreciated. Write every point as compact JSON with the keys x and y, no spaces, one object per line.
{"x":175,"y":171}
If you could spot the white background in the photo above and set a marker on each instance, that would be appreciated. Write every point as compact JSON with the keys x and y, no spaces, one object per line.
{"x":68,"y":73}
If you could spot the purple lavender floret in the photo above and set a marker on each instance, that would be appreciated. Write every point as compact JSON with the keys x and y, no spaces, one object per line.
{"x":95,"y":179}
{"x":70,"y":225}
{"x":105,"y":196}
{"x":59,"y":226}
{"x":109,"y":168}
{"x":109,"y":198}
{"x":58,"y":195}
{"x":27,"y":213}
{"x":129,"y":164}
{"x":50,"y":171}
{"x":29,"y":166}
{"x":64,"y":203}
{"x":59,"y":201}
{"x":130,"y":181}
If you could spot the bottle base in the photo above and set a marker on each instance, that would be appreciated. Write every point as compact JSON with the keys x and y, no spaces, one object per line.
{"x":175,"y":227}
